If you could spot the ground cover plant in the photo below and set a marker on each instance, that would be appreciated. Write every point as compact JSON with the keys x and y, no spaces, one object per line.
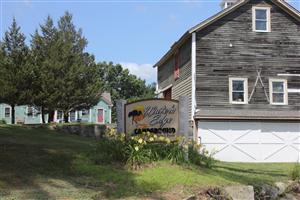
{"x":45,"y":164}
{"x":148,"y":147}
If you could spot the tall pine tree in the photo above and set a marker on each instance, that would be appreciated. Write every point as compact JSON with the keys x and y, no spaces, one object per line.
{"x":66,"y":75}
{"x":16,"y":69}
{"x":44,"y":91}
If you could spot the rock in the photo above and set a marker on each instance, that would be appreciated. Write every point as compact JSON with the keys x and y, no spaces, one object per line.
{"x":269,"y":191}
{"x":288,"y":197}
{"x":192,"y":197}
{"x":281,"y":187}
{"x":240,"y":192}
{"x":74,"y":130}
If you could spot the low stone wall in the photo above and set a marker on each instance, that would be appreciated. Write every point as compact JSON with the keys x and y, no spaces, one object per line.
{"x":96,"y":131}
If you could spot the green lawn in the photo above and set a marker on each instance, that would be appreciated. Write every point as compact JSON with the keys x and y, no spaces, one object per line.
{"x":44,"y":164}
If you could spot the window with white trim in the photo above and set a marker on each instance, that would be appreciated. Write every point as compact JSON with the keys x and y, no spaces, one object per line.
{"x":29,"y":112}
{"x":261,"y":19}
{"x":7,"y":112}
{"x":238,"y":90}
{"x":278,"y":92}
{"x":59,"y":114}
{"x":85,"y":112}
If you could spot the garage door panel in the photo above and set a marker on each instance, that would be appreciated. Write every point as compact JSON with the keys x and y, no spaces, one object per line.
{"x":214,"y":134}
{"x":273,"y":153}
{"x":252,"y":141}
{"x":250,"y":136}
{"x":224,"y":152}
{"x":245,"y":152}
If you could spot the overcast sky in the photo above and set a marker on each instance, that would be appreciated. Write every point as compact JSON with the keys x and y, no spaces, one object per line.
{"x":135,"y":34}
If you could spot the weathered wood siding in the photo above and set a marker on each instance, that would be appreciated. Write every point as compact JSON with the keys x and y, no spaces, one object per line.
{"x":275,"y":52}
{"x":183,"y":88}
{"x":166,"y":73}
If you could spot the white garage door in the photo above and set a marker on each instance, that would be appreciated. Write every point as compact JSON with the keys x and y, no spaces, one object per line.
{"x":251,"y":141}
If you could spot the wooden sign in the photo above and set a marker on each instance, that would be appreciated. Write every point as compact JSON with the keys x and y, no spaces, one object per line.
{"x":158,"y":116}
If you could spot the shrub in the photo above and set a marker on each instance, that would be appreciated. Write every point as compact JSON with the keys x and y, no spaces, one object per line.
{"x":146,"y":147}
{"x":3,"y":121}
{"x":201,"y":156}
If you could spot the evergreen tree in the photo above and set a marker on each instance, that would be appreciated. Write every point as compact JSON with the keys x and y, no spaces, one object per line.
{"x":43,"y":46}
{"x":16,"y":69}
{"x":78,"y":84}
{"x":66,"y":75}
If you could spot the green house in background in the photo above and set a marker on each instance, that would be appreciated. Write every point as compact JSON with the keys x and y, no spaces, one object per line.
{"x":101,"y":113}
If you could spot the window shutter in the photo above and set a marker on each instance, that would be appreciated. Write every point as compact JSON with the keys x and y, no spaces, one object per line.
{"x":176,"y":71}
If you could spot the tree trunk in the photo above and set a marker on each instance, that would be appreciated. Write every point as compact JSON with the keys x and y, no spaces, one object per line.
{"x":43,"y":115}
{"x":66,"y":117}
{"x":13,"y":114}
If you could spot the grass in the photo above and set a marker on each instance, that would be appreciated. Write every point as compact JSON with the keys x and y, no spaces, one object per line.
{"x":44,"y":164}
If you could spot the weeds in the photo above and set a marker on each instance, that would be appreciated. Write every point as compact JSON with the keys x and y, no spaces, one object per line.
{"x":3,"y":121}
{"x":295,"y":172}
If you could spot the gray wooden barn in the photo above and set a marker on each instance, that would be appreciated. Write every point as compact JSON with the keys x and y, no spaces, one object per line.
{"x":241,"y":71}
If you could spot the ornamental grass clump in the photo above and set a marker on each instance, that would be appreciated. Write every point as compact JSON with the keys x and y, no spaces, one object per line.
{"x":148,"y":147}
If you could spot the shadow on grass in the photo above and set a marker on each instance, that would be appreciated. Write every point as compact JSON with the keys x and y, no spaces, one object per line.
{"x":44,"y":164}
{"x":252,"y":174}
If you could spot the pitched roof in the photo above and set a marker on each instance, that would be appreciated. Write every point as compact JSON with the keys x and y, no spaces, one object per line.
{"x":247,"y":114}
{"x":106,"y":97}
{"x":281,"y":3}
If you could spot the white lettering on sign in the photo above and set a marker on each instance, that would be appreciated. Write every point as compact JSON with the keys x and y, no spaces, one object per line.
{"x":149,"y":111}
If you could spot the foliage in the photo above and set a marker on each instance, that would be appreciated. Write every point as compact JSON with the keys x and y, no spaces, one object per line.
{"x":295,"y":172}
{"x":202,"y":156}
{"x":140,"y":149}
{"x":3,"y":121}
{"x":123,"y":85}
{"x":66,"y":76}
{"x":16,"y":61}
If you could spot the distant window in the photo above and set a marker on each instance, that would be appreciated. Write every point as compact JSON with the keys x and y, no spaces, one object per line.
{"x":278,"y":92}
{"x":6,"y":112}
{"x":72,"y":115}
{"x":176,"y":71}
{"x":238,"y":90}
{"x":59,"y":114}
{"x":30,"y":112}
{"x":261,"y":19}
{"x":85,"y":112}
{"x":229,"y":4}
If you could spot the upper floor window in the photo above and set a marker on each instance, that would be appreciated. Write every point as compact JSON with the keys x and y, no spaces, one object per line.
{"x":261,"y":20}
{"x":238,"y":90}
{"x":85,"y":112}
{"x":30,"y":112}
{"x":278,"y":92}
{"x":227,"y":3}
{"x":6,"y":112}
{"x":176,"y":70}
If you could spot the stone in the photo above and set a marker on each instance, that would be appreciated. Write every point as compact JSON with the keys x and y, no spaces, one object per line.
{"x":74,"y":130}
{"x":270,"y":191}
{"x":99,"y":131}
{"x":192,"y":197}
{"x":281,"y":187}
{"x":87,"y":131}
{"x":288,"y":197}
{"x":120,"y":115}
{"x":240,"y":192}
{"x":183,"y":125}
